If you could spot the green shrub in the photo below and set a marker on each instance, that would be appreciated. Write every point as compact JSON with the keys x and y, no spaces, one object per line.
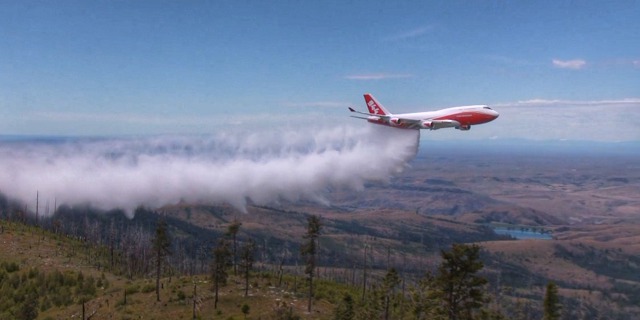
{"x":149,"y":287}
{"x":132,"y":289}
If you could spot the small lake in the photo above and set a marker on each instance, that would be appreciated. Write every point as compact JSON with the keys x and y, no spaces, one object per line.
{"x":521,"y":235}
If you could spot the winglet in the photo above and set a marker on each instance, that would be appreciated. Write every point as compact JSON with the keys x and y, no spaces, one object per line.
{"x":351,"y":109}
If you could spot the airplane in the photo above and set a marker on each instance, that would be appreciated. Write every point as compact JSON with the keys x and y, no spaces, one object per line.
{"x":460,"y":118}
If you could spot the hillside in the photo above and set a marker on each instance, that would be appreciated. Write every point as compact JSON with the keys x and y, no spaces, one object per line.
{"x":35,"y":251}
{"x":587,"y":205}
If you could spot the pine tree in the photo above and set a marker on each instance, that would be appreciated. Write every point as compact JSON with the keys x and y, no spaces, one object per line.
{"x":372,"y":305}
{"x":551,"y":302}
{"x":459,"y":286}
{"x":161,"y":247}
{"x":232,"y":230}
{"x":308,"y":250}
{"x":391,"y":280}
{"x":344,"y":309}
{"x":245,"y":310}
{"x":246,"y":262}
{"x":425,"y":299}
{"x":221,"y":256}
{"x":29,"y":308}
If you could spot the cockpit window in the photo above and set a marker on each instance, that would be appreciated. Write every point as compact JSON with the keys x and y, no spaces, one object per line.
{"x":487,"y":108}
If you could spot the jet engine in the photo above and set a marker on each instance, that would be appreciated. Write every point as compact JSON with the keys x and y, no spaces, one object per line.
{"x":465,"y":127}
{"x":426,"y":125}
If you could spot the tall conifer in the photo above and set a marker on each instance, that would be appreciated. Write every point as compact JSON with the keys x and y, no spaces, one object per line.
{"x":161,"y":248}
{"x":551,"y":302}
{"x":308,"y":250}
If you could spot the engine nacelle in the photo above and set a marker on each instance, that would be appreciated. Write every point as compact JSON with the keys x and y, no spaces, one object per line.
{"x":426,"y":125}
{"x":465,"y":127}
{"x":395,"y":122}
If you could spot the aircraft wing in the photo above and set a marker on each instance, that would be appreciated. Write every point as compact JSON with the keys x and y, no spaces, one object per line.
{"x":360,"y":117}
{"x":406,"y":123}
{"x":368,"y":114}
{"x":423,"y":123}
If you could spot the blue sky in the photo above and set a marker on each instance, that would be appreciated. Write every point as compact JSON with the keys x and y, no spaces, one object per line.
{"x":148,"y":67}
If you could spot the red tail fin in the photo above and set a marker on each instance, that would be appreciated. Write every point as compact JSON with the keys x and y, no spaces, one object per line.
{"x":374,"y":106}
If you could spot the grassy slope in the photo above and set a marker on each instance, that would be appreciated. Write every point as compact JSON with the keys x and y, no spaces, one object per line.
{"x":32,"y":247}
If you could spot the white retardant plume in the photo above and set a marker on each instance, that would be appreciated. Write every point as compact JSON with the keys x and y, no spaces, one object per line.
{"x":231,"y":167}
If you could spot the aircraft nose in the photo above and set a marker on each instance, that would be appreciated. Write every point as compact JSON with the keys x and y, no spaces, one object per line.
{"x":492,"y":113}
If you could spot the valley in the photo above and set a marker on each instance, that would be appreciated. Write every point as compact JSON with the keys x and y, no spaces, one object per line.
{"x":588,"y":203}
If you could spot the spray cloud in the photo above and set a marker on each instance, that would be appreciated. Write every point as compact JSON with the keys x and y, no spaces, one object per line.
{"x":232,"y":167}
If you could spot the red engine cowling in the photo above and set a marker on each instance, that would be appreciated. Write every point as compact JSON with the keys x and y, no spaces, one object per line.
{"x":426,"y":125}
{"x":395,"y":122}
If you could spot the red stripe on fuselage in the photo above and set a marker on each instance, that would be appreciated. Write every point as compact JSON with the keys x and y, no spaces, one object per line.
{"x":468,"y":117}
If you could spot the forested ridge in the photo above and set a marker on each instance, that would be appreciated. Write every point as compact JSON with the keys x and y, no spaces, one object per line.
{"x":105,"y":263}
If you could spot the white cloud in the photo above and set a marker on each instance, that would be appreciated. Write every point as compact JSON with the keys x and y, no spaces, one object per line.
{"x":569,"y":64}
{"x":414,"y":33}
{"x":378,"y":76}
{"x":556,"y":119}
{"x":560,"y":102}
{"x":235,"y":167}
